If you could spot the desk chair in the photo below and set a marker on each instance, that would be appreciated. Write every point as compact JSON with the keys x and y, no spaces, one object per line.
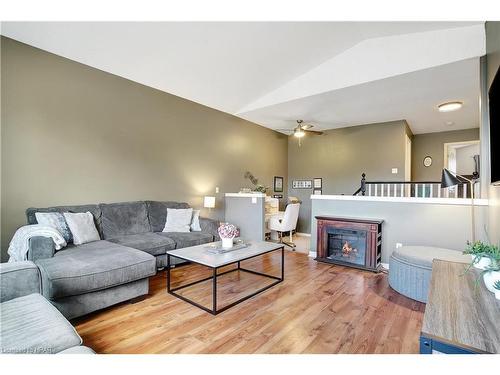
{"x":286,"y":223}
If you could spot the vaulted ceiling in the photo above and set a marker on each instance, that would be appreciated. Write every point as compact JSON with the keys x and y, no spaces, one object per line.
{"x":330,"y":74}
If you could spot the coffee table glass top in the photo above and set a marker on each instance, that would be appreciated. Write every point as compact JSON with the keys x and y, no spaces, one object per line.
{"x":200,"y":254}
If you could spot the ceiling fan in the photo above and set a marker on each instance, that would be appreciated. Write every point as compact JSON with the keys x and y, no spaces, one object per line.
{"x":301,"y":130}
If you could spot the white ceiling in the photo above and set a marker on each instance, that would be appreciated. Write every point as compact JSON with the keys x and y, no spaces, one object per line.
{"x":332,"y":74}
{"x":412,"y":96}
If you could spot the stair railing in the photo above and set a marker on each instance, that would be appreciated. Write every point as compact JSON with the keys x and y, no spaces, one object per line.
{"x":416,"y":189}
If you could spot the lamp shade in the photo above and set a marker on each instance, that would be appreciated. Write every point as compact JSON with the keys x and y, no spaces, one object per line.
{"x":448,"y":179}
{"x":209,"y":202}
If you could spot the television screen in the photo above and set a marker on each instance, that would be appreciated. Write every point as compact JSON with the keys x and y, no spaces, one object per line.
{"x":494,"y":103}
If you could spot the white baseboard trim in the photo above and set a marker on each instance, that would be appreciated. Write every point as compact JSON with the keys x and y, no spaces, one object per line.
{"x":312,"y":254}
{"x":303,"y":234}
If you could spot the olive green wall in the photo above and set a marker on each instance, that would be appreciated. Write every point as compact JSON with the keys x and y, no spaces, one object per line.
{"x":340,"y":156}
{"x":72,"y":134}
{"x":493,"y":64}
{"x":432,"y":144}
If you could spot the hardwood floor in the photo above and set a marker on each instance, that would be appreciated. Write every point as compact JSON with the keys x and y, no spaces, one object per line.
{"x":319,"y":308}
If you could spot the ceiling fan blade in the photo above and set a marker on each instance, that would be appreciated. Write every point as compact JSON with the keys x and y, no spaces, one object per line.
{"x":306,"y":126}
{"x":315,"y":132}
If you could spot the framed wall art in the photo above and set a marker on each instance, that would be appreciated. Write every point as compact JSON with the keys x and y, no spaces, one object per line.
{"x":302,"y":184}
{"x":278,"y":184}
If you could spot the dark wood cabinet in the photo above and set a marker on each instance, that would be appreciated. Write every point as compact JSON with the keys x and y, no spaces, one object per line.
{"x":350,"y":242}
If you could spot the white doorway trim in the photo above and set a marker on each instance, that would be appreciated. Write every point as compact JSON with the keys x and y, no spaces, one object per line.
{"x":446,"y":147}
{"x":408,"y":158}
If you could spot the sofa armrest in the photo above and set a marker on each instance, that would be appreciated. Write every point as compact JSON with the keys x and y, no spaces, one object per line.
{"x":210,"y":226}
{"x":19,"y":279}
{"x":41,"y":248}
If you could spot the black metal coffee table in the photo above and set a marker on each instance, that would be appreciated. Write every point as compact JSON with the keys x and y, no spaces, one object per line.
{"x":201,"y":255}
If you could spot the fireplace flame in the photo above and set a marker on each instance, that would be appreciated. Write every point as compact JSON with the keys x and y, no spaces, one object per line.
{"x":347,"y":249}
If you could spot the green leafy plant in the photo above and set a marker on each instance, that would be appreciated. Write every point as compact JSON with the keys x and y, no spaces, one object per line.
{"x":479,"y":250}
{"x":260,"y":188}
{"x":255,"y":182}
{"x":496,"y":285}
{"x":477,"y":247}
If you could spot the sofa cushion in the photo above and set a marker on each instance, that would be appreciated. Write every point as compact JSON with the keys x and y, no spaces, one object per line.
{"x":424,"y":255}
{"x":120,"y":219}
{"x":158,"y":213}
{"x":94,"y":209}
{"x":30,"y":324}
{"x":151,"y":243}
{"x":93,"y":266}
{"x":188,"y":239}
{"x":18,"y":279}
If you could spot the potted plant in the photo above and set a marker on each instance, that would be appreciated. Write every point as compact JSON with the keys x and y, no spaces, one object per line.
{"x":227,"y":232}
{"x":479,"y":253}
{"x":492,"y":274}
{"x":486,"y":258}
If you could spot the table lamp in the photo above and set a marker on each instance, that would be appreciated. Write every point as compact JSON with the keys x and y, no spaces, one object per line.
{"x":209,"y":202}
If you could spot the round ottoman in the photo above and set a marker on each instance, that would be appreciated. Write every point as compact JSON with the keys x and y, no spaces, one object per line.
{"x":410,"y":268}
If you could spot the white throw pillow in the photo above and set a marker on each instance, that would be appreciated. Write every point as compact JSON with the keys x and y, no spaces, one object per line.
{"x":82,"y":227}
{"x":195,"y":221}
{"x":178,"y":220}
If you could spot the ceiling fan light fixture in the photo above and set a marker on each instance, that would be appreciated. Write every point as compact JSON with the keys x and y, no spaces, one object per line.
{"x":299,"y":133}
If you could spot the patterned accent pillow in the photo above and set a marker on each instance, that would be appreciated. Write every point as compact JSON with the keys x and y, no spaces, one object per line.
{"x":55,"y":220}
{"x":195,"y":221}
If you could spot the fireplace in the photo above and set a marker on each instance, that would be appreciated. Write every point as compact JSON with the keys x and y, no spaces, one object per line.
{"x":349,"y":242}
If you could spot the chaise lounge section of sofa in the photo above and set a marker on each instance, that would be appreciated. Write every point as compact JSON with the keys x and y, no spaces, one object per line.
{"x":80,"y":279}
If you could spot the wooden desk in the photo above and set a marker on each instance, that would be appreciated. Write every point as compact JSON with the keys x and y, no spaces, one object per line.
{"x":459,"y":318}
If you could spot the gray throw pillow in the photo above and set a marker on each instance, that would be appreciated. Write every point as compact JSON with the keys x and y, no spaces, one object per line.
{"x":82,"y":227}
{"x":55,"y":220}
{"x":178,"y":220}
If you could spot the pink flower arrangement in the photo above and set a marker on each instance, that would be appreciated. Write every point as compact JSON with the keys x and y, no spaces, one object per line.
{"x":227,"y":230}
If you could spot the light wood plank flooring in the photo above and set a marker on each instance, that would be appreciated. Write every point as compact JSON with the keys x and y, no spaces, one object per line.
{"x":319,"y":308}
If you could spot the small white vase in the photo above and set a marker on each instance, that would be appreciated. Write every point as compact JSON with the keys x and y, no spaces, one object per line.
{"x":489,"y":279}
{"x":483,"y":262}
{"x":227,"y":243}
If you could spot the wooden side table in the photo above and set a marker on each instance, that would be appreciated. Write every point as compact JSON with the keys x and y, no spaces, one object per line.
{"x":459,"y":317}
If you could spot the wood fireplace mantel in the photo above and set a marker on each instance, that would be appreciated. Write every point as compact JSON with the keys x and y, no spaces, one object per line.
{"x":370,"y":232}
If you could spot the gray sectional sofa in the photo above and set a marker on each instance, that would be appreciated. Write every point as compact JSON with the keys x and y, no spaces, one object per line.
{"x":85,"y":278}
{"x":29,"y":323}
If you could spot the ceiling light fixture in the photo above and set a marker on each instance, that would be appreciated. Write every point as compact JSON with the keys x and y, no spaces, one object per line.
{"x":449,"y":123}
{"x":299,"y":133}
{"x":450,"y":106}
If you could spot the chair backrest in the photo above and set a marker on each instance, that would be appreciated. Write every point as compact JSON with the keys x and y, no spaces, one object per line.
{"x":291,"y":216}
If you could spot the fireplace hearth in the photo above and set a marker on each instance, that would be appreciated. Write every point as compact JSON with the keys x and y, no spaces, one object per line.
{"x":349,"y":242}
